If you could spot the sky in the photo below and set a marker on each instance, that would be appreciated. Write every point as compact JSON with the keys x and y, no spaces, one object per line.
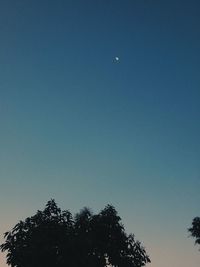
{"x":81,"y":127}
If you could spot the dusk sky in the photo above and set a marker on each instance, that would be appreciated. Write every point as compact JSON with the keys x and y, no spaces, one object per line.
{"x":81,"y":127}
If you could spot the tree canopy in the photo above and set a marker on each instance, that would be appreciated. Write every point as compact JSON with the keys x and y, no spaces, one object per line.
{"x":55,"y":238}
{"x":195,"y":230}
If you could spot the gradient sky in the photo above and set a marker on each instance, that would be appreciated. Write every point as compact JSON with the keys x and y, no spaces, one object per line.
{"x":86,"y":130}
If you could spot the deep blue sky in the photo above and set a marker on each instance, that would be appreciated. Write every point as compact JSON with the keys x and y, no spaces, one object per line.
{"x":86,"y":130}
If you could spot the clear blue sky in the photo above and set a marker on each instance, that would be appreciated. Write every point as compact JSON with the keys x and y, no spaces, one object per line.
{"x":86,"y":130}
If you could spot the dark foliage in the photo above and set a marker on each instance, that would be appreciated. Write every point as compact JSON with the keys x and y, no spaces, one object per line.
{"x":54,"y":238}
{"x":195,"y":230}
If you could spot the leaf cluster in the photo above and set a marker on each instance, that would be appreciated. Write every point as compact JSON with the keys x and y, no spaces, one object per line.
{"x":195,"y":230}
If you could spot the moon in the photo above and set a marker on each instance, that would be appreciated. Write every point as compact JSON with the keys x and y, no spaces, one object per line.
{"x":117,"y":58}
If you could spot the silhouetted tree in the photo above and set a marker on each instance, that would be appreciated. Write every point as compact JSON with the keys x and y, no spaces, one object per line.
{"x":54,"y":238}
{"x":41,"y":239}
{"x":195,"y":230}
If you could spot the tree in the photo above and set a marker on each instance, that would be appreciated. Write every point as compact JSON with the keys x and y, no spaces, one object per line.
{"x":195,"y":230}
{"x":55,"y":238}
{"x":40,"y":239}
